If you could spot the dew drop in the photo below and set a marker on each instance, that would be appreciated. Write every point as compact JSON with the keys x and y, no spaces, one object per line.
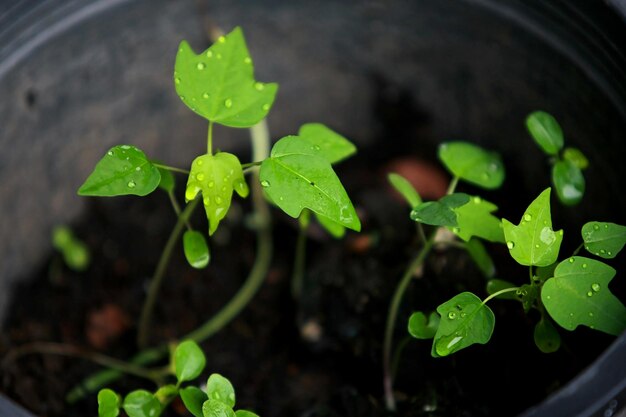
{"x":485,"y":175}
{"x":589,"y":293}
{"x":219,"y":56}
{"x":228,"y":103}
{"x":221,"y":39}
{"x":609,"y":253}
{"x":266,"y":107}
{"x":211,"y":184}
{"x":510,"y":244}
{"x":265,"y":183}
{"x":456,"y":230}
{"x":205,"y":96}
{"x":549,"y":297}
{"x":602,"y":251}
{"x":571,"y":314}
{"x":463,"y":314}
{"x":536,"y":245}
{"x":110,"y":153}
{"x":571,"y":260}
{"x":259,"y":86}
{"x":131,"y":184}
{"x":606,"y":226}
{"x":452,"y":315}
{"x":218,"y":200}
{"x":177,"y":80}
{"x":528,"y":217}
{"x":209,"y":54}
{"x":493,"y":166}
{"x":200,"y":162}
{"x":595,"y":286}
{"x":247,"y":60}
{"x":476,"y":200}
{"x":584,"y":266}
{"x":182,"y":98}
{"x":200,"y":66}
{"x":281,"y":198}
{"x":590,"y":314}
{"x":138,"y":169}
{"x":596,"y":227}
{"x":200,"y":177}
{"x":207,"y":200}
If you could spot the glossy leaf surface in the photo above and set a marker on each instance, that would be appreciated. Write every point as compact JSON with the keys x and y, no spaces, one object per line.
{"x":219,"y":85}
{"x":220,"y":389}
{"x":142,"y":403}
{"x":579,"y":294}
{"x":193,"y":398}
{"x":196,"y":249}
{"x":108,"y":403}
{"x":475,"y":219}
{"x":124,"y":170}
{"x":546,"y":131}
{"x":189,"y":361}
{"x":465,"y":320}
{"x":440,"y":213}
{"x":422,"y":327}
{"x":215,"y":408}
{"x":297,"y":176}
{"x":569,"y":182}
{"x":604,"y":239}
{"x":406,"y":189}
{"x":330,"y":144}
{"x":533,"y":242}
{"x":472,"y":164}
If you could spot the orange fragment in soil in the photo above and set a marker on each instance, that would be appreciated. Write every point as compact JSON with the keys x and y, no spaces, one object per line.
{"x":105,"y":325}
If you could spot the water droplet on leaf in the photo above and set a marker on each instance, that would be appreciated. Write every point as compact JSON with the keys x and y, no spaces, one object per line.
{"x":259,"y":86}
{"x":228,"y":103}
{"x":177,"y":80}
{"x":595,"y":286}
{"x":589,"y":294}
{"x":200,"y":177}
{"x":510,"y":244}
{"x":266,"y":107}
{"x":247,"y":60}
{"x":528,"y":217}
{"x":452,"y":315}
{"x":265,"y":183}
{"x":200,"y":66}
{"x":571,"y":260}
{"x":110,"y":153}
{"x":218,"y":200}
{"x":205,"y":96}
{"x":221,"y":39}
{"x":131,"y":184}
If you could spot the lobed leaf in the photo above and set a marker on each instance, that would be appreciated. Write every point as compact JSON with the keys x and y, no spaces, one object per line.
{"x":220,"y":389}
{"x":534,"y":242}
{"x":545,"y":130}
{"x":329,"y":144}
{"x":219,"y":84}
{"x":124,"y":170}
{"x":406,"y":190}
{"x":196,"y":249}
{"x":546,"y":336}
{"x":421,"y":327}
{"x":440,"y":213}
{"x":189,"y":361}
{"x":108,"y":403}
{"x":142,"y":403}
{"x":472,"y":164}
{"x":604,"y":239}
{"x":475,"y":219}
{"x":579,"y":294}
{"x":216,"y":176}
{"x":193,"y":398}
{"x":297,"y":176}
{"x":569,"y":182}
{"x":465,"y":320}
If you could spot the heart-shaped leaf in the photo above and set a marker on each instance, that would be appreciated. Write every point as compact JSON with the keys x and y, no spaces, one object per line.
{"x":546,"y":336}
{"x":123,"y":170}
{"x":330,"y":144}
{"x":297,"y":176}
{"x":440,"y":213}
{"x":421,"y":327}
{"x":534,"y":242}
{"x":142,"y":403}
{"x":108,"y":403}
{"x":579,"y":294}
{"x":189,"y":361}
{"x":219,"y":85}
{"x":216,"y":176}
{"x":472,"y":164}
{"x":569,"y":182}
{"x":475,"y":219}
{"x":604,"y":239}
{"x":545,"y":130}
{"x":465,"y":320}
{"x":220,"y":389}
{"x":193,"y":398}
{"x":404,"y":187}
{"x":196,"y":249}
{"x":215,"y":408}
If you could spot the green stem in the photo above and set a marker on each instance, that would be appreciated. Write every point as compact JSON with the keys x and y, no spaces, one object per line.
{"x":176,"y":208}
{"x":398,"y":355}
{"x":578,"y":249}
{"x":452,"y":185}
{"x":299,"y":264}
{"x":391,"y":321}
{"x":209,"y":141}
{"x":530,"y":273}
{"x":169,"y":168}
{"x":497,"y":293}
{"x":155,"y":284}
{"x":251,"y":164}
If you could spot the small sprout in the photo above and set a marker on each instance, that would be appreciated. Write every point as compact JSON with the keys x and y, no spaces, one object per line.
{"x":75,"y":252}
{"x":404,"y":187}
{"x":473,"y":164}
{"x":546,"y":131}
{"x":220,"y":389}
{"x":189,"y":361}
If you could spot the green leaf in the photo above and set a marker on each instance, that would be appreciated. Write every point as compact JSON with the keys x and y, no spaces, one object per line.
{"x":189,"y":361}
{"x":545,"y":130}
{"x":421,"y":327}
{"x":472,"y":164}
{"x":216,"y":176}
{"x":495,"y":285}
{"x":528,"y":294}
{"x":196,"y":249}
{"x":544,"y":272}
{"x":440,"y":213}
{"x":123,"y":170}
{"x":142,"y":403}
{"x":167,"y":182}
{"x":108,"y":403}
{"x":465,"y":320}
{"x":220,"y":389}
{"x":193,"y":398}
{"x":569,"y":182}
{"x":404,"y":187}
{"x":245,"y":413}
{"x":219,"y":85}
{"x":215,"y":408}
{"x":604,"y":239}
{"x":297,"y":176}
{"x":475,"y":219}
{"x":481,"y":257}
{"x":335,"y":229}
{"x":546,"y":336}
{"x":534,"y":242}
{"x":75,"y":253}
{"x":576,"y":157}
{"x":330,"y":144}
{"x":579,"y":295}
{"x":166,"y":394}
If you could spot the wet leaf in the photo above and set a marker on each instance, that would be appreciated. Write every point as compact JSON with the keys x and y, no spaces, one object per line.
{"x":604,"y":239}
{"x":440,"y":213}
{"x":142,"y":403}
{"x":546,"y":336}
{"x":297,"y":176}
{"x":421,"y":327}
{"x":481,"y":257}
{"x":108,"y":403}
{"x":193,"y":398}
{"x":472,"y":164}
{"x":576,"y":157}
{"x":569,"y":182}
{"x":545,"y":130}
{"x":196,"y":249}
{"x":475,"y":219}
{"x":215,"y":408}
{"x":219,"y":85}
{"x":124,"y":170}
{"x":465,"y":320}
{"x":330,"y":144}
{"x":579,"y":294}
{"x":216,"y":176}
{"x":404,"y":187}
{"x":220,"y":389}
{"x":189,"y":361}
{"x":534,"y":242}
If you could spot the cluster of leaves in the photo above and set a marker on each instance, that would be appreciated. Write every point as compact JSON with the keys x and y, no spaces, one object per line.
{"x":572,"y":292}
{"x":187,"y":363}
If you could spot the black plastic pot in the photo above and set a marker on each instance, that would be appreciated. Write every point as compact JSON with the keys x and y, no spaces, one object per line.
{"x":79,"y":76}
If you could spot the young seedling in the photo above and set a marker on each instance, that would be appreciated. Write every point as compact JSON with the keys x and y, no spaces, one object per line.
{"x":569,"y":293}
{"x":75,"y":253}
